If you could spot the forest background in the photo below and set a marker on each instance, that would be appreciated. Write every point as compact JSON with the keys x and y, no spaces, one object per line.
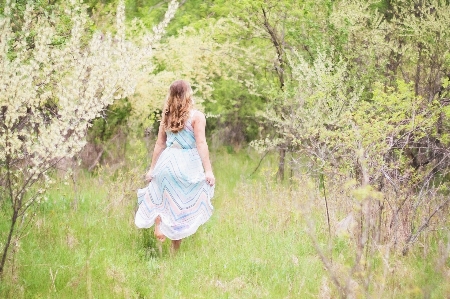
{"x":328,"y":123}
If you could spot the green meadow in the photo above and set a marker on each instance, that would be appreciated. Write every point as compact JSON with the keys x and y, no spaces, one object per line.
{"x":263,"y":241}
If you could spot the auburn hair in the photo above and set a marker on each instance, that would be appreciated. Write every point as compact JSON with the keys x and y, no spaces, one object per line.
{"x":177,"y":106}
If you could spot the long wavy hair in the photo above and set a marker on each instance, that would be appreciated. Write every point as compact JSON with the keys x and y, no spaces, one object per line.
{"x":178,"y":104}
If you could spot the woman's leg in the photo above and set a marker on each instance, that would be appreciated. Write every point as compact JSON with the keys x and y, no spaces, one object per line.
{"x":158,"y":234}
{"x":176,"y":245}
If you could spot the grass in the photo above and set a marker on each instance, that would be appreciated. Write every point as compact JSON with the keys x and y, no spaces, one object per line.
{"x":84,"y":244}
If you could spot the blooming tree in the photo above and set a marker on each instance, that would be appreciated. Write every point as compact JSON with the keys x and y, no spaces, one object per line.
{"x":50,"y":93}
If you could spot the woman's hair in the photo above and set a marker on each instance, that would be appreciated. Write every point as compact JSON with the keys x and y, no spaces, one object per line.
{"x":177,"y":106}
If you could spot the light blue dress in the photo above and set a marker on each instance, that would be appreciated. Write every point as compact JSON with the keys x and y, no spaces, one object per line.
{"x":178,"y":191}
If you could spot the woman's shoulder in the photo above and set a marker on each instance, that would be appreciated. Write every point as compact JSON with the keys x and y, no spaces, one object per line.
{"x":196,"y":114}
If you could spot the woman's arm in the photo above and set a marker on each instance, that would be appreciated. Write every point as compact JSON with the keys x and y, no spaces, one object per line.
{"x":159,"y":147}
{"x":199,"y":124}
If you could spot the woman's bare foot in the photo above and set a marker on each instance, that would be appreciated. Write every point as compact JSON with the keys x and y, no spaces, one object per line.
{"x":175,"y":246}
{"x":158,"y":234}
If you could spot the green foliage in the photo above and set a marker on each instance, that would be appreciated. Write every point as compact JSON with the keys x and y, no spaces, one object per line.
{"x":114,"y":119}
{"x":198,"y":14}
{"x":148,"y":11}
{"x":232,"y":107}
{"x":315,"y":98}
{"x":197,"y":56}
{"x":54,"y":12}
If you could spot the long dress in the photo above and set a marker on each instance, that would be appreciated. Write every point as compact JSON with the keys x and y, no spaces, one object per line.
{"x":178,"y":191}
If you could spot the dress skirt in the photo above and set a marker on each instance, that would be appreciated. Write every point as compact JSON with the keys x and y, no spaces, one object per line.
{"x":178,"y":193}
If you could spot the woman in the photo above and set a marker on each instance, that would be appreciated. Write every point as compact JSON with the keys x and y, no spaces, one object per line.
{"x":181,"y":181}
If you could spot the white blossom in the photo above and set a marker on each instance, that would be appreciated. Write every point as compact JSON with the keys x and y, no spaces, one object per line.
{"x":50,"y":93}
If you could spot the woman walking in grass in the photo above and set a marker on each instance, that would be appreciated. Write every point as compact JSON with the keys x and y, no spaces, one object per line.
{"x":177,"y":199}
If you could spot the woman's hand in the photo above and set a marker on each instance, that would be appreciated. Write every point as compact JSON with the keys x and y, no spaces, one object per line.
{"x":149,"y":176}
{"x":210,"y":179}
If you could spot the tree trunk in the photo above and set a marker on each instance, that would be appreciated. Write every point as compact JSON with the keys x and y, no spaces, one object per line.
{"x":278,"y":41}
{"x":8,"y":241}
{"x":280,"y":173}
{"x":418,"y":70}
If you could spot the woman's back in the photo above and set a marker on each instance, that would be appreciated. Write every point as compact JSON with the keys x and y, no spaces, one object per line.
{"x":183,"y":139}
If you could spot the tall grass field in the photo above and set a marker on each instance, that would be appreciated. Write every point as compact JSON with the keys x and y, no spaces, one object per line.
{"x":264,"y":240}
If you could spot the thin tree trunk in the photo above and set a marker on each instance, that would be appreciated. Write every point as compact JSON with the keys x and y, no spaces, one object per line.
{"x":8,"y":241}
{"x":278,"y":43}
{"x":418,"y":71}
{"x":280,"y":173}
{"x":15,"y":208}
